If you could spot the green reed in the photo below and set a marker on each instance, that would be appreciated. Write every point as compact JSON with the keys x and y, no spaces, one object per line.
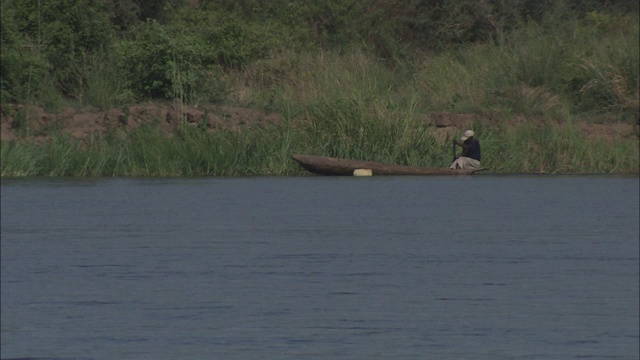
{"x":146,"y":151}
{"x":553,"y":149}
{"x":346,"y":126}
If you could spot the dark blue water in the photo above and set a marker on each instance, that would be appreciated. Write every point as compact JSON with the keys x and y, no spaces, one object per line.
{"x":321,"y":268}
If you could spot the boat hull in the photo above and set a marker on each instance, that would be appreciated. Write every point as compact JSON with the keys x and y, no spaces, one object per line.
{"x":324,"y":165}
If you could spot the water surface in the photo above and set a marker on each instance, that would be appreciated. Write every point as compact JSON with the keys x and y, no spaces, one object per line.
{"x":476,"y":267}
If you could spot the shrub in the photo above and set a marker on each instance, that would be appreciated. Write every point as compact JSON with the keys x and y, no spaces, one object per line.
{"x":161,"y":64}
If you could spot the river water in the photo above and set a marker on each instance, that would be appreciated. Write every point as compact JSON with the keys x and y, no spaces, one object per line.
{"x":481,"y":267}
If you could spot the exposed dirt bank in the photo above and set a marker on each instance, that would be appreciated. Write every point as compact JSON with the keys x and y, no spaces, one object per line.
{"x":79,"y":123}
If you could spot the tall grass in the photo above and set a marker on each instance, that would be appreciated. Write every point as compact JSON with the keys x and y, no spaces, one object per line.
{"x":552,"y":149}
{"x":104,"y":85}
{"x":538,"y":74}
{"x":146,"y":151}
{"x":350,"y":127}
{"x":343,"y":127}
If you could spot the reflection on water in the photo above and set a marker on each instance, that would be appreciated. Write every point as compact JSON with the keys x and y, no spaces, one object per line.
{"x":315,"y":267}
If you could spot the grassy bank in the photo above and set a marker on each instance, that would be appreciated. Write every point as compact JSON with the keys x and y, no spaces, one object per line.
{"x":340,"y":127}
{"x":539,"y":81}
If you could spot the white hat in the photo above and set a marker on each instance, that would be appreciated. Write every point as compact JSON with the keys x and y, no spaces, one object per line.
{"x":467,"y":134}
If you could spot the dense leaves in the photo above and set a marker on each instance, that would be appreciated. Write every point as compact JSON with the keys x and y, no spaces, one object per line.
{"x":136,"y":50}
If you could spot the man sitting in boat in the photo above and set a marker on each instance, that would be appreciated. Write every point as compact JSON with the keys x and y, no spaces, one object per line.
{"x":470,"y":157}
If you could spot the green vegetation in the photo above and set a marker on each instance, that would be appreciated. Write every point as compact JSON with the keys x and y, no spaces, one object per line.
{"x":403,"y":139}
{"x":346,"y":88}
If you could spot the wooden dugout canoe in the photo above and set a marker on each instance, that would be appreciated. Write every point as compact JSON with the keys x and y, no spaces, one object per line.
{"x":323,"y":165}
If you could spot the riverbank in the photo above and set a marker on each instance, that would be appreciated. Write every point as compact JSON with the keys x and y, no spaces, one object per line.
{"x":171,"y":139}
{"x":550,"y":89}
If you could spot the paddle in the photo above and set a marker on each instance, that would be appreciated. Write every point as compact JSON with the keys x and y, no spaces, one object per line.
{"x":454,"y":151}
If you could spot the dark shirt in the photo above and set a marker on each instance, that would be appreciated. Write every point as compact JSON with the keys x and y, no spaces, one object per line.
{"x":471,"y":149}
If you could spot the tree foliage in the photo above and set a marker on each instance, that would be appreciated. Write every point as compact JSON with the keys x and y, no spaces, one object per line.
{"x":169,"y":48}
